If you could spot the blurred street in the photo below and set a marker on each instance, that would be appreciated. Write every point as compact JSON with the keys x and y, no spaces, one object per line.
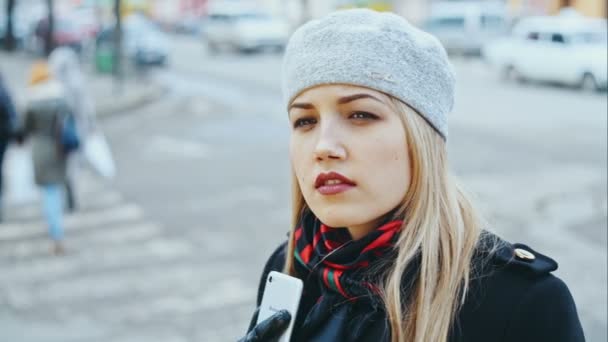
{"x":173,"y":248}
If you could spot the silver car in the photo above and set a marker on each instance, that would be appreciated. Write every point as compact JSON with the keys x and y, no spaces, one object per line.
{"x":245,"y":31}
{"x":465,"y":27}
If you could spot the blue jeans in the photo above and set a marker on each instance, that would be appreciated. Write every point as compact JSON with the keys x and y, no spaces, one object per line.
{"x":53,"y":209}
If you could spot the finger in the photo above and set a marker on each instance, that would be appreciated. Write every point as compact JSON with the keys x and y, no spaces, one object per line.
{"x":254,"y":319}
{"x":270,"y":328}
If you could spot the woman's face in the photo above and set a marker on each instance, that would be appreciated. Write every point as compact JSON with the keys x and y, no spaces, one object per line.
{"x":349,"y":153}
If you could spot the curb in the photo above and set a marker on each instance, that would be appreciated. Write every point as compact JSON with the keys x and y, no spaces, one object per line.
{"x":106,"y":109}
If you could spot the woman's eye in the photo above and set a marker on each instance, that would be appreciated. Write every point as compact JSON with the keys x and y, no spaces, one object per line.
{"x":363,"y":116}
{"x":304,"y":122}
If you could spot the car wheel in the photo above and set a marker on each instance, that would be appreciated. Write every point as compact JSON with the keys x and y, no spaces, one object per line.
{"x":588,"y":83}
{"x":511,"y":74}
{"x":279,"y":49}
{"x":212,"y":48}
{"x":246,"y":50}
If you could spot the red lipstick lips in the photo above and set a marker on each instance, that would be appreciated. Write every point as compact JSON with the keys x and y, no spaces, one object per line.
{"x":333,"y":183}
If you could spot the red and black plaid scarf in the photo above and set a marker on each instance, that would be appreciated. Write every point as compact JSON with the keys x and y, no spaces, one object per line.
{"x":339,"y":261}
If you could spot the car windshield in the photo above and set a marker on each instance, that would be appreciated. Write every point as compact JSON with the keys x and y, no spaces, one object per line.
{"x":446,"y":22}
{"x":253,"y":17}
{"x":598,"y":37}
{"x":492,"y":21}
{"x":139,"y":25}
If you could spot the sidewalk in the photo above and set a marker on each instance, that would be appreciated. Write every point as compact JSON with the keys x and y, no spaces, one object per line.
{"x":110,"y":98}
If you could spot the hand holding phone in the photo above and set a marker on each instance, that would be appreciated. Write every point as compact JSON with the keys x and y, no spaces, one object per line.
{"x":268,"y":330}
{"x":282,"y":292}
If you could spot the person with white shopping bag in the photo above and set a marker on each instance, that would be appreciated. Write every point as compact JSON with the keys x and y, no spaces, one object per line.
{"x":66,"y":69}
{"x":51,"y":128}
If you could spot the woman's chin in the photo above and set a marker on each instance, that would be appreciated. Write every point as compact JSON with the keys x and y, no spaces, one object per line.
{"x":334,"y":217}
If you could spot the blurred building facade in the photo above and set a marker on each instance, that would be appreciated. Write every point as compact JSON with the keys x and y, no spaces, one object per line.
{"x":591,"y":8}
{"x":298,"y":11}
{"x":173,"y":11}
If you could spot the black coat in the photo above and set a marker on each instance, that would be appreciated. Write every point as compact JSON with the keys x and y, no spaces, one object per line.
{"x":516,"y":299}
{"x":7,"y":114}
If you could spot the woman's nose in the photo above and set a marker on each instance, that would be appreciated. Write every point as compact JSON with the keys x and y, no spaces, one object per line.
{"x":329,"y":145}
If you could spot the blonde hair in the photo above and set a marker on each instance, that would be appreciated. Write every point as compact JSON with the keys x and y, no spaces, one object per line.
{"x":39,"y":72}
{"x":441,"y":230}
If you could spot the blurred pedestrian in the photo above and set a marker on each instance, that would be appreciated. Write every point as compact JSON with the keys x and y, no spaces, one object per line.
{"x":66,"y":69}
{"x":49,"y":124}
{"x":7,"y":126}
{"x":386,"y":244}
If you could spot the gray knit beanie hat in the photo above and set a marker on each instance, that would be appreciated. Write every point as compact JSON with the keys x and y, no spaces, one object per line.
{"x":381,"y":51}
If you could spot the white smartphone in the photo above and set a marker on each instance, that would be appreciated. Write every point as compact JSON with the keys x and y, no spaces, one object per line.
{"x":282,"y":292}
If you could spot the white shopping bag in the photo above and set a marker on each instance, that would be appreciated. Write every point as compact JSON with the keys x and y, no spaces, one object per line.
{"x":19,"y":183}
{"x":97,"y":154}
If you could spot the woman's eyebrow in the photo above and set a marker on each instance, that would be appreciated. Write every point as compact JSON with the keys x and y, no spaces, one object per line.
{"x":354,"y":97}
{"x":301,"y":106}
{"x":342,"y":100}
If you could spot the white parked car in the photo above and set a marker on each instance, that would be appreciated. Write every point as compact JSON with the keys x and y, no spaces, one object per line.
{"x":244,"y":31}
{"x":566,"y":50}
{"x":463,"y":27}
{"x":144,"y":42}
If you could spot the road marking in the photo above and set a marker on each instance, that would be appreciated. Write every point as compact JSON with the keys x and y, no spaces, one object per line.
{"x":163,"y":146}
{"x":223,"y":293}
{"x":86,"y":202}
{"x":76,"y":222}
{"x":180,"y":280}
{"x":125,"y":232}
{"x":93,"y":260}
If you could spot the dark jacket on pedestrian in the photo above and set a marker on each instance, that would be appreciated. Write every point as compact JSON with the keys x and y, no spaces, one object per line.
{"x":46,"y":109}
{"x":7,"y":114}
{"x":513,"y":297}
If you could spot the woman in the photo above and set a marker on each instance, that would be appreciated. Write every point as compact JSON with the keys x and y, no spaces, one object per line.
{"x":46,"y":111}
{"x":66,"y":69}
{"x":388,"y":246}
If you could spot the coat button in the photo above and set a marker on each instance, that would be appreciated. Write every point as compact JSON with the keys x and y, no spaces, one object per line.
{"x":524,"y":254}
